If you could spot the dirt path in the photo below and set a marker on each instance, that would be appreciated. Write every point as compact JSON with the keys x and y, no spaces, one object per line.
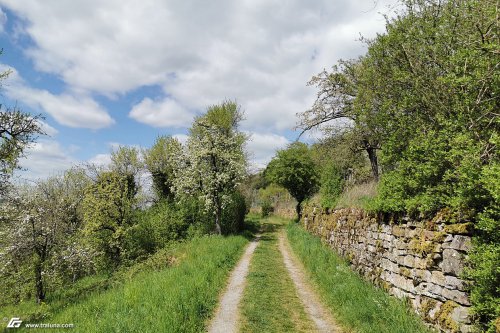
{"x":226,"y":317}
{"x":316,"y":311}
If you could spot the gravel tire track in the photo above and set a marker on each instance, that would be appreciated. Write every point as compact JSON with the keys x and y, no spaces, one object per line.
{"x":226,"y":318}
{"x":314,"y":308}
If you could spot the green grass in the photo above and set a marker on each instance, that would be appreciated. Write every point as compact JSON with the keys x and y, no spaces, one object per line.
{"x":79,"y":291}
{"x":356,"y":304}
{"x":176,"y":299}
{"x":270,"y":303}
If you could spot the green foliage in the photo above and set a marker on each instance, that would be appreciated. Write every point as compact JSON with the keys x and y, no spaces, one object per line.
{"x":233,"y":214}
{"x":270,"y":197}
{"x":108,"y":213}
{"x":272,"y":193}
{"x":153,"y":229}
{"x":437,"y":131}
{"x":126,"y":162}
{"x":294,"y":169}
{"x":340,"y":148}
{"x":251,"y":186}
{"x":427,"y":93}
{"x":332,"y":185}
{"x":17,"y":130}
{"x":435,"y":82}
{"x":485,"y":294}
{"x":485,"y":257}
{"x":267,"y":208}
{"x":356,"y":303}
{"x":40,"y":227}
{"x":160,"y":160}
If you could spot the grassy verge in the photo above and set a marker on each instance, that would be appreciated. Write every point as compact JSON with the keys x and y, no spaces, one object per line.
{"x":270,"y":303}
{"x":79,"y":291}
{"x":176,"y":299}
{"x":356,"y":303}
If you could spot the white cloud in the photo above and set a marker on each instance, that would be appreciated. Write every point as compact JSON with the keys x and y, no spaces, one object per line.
{"x":100,"y":159}
{"x":263,"y":146}
{"x":260,"y":53}
{"x":45,"y":158}
{"x":69,"y":110}
{"x":164,"y":113}
{"x":47,"y":129}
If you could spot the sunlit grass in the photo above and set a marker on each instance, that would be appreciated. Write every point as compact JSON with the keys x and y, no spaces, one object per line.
{"x":356,"y":304}
{"x":270,"y":302}
{"x":176,"y":299}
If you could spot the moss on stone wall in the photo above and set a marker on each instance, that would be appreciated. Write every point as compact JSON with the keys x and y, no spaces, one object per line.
{"x":443,"y":317}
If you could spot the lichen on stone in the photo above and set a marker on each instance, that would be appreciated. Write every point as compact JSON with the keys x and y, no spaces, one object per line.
{"x":459,"y":228}
{"x":443,"y":317}
{"x":426,"y":306}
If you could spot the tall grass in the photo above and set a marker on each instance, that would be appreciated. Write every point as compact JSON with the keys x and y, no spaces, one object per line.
{"x":176,"y":299}
{"x":357,"y":304}
{"x":357,"y":196}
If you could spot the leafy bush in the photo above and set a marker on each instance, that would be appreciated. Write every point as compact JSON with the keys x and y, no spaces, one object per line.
{"x":233,"y":215}
{"x":332,"y":184}
{"x":485,"y":257}
{"x":157,"y":226}
{"x":267,"y":208}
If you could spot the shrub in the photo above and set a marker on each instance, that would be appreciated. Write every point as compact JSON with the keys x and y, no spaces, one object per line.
{"x":154,"y":228}
{"x":233,"y":215}
{"x":332,"y":184}
{"x":267,"y":208}
{"x":485,"y":257}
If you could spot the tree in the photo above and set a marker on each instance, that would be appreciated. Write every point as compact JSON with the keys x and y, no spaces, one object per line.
{"x":17,"y":131}
{"x":294,"y":169}
{"x":108,"y":206}
{"x":160,"y":161}
{"x":126,"y":162}
{"x":41,"y":220}
{"x":214,"y":162}
{"x":434,"y":76}
{"x":429,"y":89}
{"x":336,"y":99}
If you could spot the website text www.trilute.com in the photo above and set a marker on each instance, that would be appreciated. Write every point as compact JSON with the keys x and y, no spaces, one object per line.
{"x":17,"y":322}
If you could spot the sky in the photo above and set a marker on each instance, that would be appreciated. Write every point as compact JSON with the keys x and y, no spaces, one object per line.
{"x":122,"y":72}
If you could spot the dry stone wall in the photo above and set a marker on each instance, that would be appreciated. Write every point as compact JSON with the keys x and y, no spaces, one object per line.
{"x":422,"y":261}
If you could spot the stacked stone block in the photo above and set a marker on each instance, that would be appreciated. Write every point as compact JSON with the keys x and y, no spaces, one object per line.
{"x":421,"y":261}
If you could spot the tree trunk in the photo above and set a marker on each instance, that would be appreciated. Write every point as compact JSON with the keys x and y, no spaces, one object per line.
{"x":218,"y":214}
{"x":40,"y":292}
{"x":298,"y":209}
{"x":372,"y":156}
